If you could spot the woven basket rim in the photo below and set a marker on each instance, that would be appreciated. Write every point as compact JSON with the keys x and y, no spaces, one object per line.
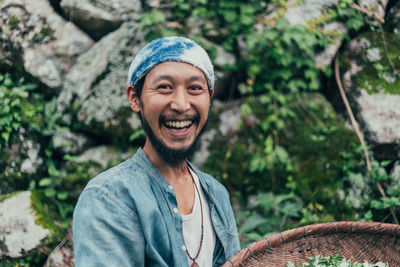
{"x":314,"y":230}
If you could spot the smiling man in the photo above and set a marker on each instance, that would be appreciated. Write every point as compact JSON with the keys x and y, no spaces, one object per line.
{"x":156,"y":208}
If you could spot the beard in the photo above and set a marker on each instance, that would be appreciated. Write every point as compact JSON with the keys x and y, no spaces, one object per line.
{"x":172,"y":157}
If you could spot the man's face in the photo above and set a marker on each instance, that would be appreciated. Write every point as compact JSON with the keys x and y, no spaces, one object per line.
{"x":174,"y":106}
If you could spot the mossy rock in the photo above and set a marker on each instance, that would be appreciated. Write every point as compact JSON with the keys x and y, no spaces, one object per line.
{"x":31,"y":228}
{"x":314,"y":140}
{"x":230,"y":154}
{"x":379,"y":58}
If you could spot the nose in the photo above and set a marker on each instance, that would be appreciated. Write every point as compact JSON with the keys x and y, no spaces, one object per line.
{"x":180,"y":102}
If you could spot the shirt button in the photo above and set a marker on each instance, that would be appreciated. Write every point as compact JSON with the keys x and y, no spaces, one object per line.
{"x":170,"y":187}
{"x":175,"y":210}
{"x":183,"y":248}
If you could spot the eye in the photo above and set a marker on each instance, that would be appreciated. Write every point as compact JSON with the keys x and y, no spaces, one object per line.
{"x":164,"y":88}
{"x":195,"y":89}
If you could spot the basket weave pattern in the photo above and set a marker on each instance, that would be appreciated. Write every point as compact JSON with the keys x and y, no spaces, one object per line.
{"x":357,"y":241}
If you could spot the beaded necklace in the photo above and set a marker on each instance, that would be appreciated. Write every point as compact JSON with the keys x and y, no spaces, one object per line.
{"x":194,"y":264}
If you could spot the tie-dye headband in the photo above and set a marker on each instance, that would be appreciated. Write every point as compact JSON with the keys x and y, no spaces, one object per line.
{"x":177,"y":49}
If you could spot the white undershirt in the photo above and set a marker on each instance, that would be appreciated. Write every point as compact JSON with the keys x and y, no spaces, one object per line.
{"x":191,"y":227}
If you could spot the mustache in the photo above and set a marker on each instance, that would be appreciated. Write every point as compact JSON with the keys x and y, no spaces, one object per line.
{"x":194,"y":117}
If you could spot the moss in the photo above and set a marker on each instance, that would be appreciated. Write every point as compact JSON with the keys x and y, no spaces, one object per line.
{"x":230,"y":156}
{"x":114,"y":132}
{"x":6,"y":196}
{"x":13,"y":22}
{"x":315,"y":139}
{"x":45,"y":31}
{"x":378,"y":76}
{"x":45,"y":215}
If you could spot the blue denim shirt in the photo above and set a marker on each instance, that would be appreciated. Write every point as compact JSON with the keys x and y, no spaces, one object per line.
{"x":125,"y":216}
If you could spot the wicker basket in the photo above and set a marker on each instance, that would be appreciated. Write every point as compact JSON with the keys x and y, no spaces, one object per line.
{"x":357,"y":241}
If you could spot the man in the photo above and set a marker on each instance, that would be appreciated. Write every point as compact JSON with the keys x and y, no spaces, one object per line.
{"x":157,"y":209}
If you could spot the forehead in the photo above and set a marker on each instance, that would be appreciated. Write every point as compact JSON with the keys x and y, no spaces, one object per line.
{"x":176,"y":69}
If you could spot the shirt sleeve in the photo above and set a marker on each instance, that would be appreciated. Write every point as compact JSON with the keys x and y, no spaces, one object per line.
{"x":106,"y":232}
{"x":232,"y":229}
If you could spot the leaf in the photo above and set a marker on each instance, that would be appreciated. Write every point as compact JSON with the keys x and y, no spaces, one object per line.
{"x":252,"y":222}
{"x":256,"y":163}
{"x":253,"y":236}
{"x":62,"y":195}
{"x":356,"y":22}
{"x":230,"y":16}
{"x":49,"y":192}
{"x":53,"y":171}
{"x":6,"y":136}
{"x":292,"y":209}
{"x":281,"y":154}
{"x":246,"y":19}
{"x":266,"y":201}
{"x":45,"y":182}
{"x":137,"y":134}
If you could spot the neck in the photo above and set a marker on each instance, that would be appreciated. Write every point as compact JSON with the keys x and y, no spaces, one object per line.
{"x":170,"y":173}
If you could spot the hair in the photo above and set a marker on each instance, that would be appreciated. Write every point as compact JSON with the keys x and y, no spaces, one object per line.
{"x":138,"y":87}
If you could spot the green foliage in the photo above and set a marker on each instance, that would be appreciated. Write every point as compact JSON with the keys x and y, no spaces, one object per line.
{"x":285,"y":53}
{"x":222,"y":20}
{"x":61,"y":188}
{"x":153,"y":17}
{"x":335,"y":260}
{"x":16,"y":108}
{"x":315,"y":139}
{"x":362,"y":192}
{"x":268,"y":215}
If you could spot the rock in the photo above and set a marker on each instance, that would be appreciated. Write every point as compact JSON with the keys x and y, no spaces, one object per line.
{"x":17,"y":225}
{"x":30,"y":164}
{"x":202,"y":152}
{"x":223,"y":78}
{"x":22,"y":160}
{"x":325,"y":58}
{"x":69,"y":142}
{"x":97,"y":82}
{"x":381,"y":115}
{"x":374,"y":85}
{"x":100,"y":17}
{"x":34,"y":35}
{"x":376,"y":7}
{"x":134,"y":121}
{"x":396,"y":171}
{"x":103,"y":155}
{"x":229,"y":118}
{"x":227,"y":124}
{"x":308,"y":10}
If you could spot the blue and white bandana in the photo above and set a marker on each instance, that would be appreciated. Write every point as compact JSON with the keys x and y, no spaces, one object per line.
{"x":177,"y":49}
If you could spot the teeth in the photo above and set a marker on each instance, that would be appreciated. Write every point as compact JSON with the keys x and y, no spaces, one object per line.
{"x":178,"y":124}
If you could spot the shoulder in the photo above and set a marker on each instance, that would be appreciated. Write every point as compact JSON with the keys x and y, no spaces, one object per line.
{"x":119,"y":184}
{"x":117,"y":175}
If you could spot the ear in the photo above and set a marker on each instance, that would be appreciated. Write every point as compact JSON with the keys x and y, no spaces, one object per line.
{"x":133,"y":98}
{"x":211,"y":92}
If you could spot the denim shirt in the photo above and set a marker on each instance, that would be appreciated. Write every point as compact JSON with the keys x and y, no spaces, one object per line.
{"x":128,"y":216}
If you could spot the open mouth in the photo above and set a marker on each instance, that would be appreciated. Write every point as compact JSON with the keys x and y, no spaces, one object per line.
{"x":177,"y":126}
